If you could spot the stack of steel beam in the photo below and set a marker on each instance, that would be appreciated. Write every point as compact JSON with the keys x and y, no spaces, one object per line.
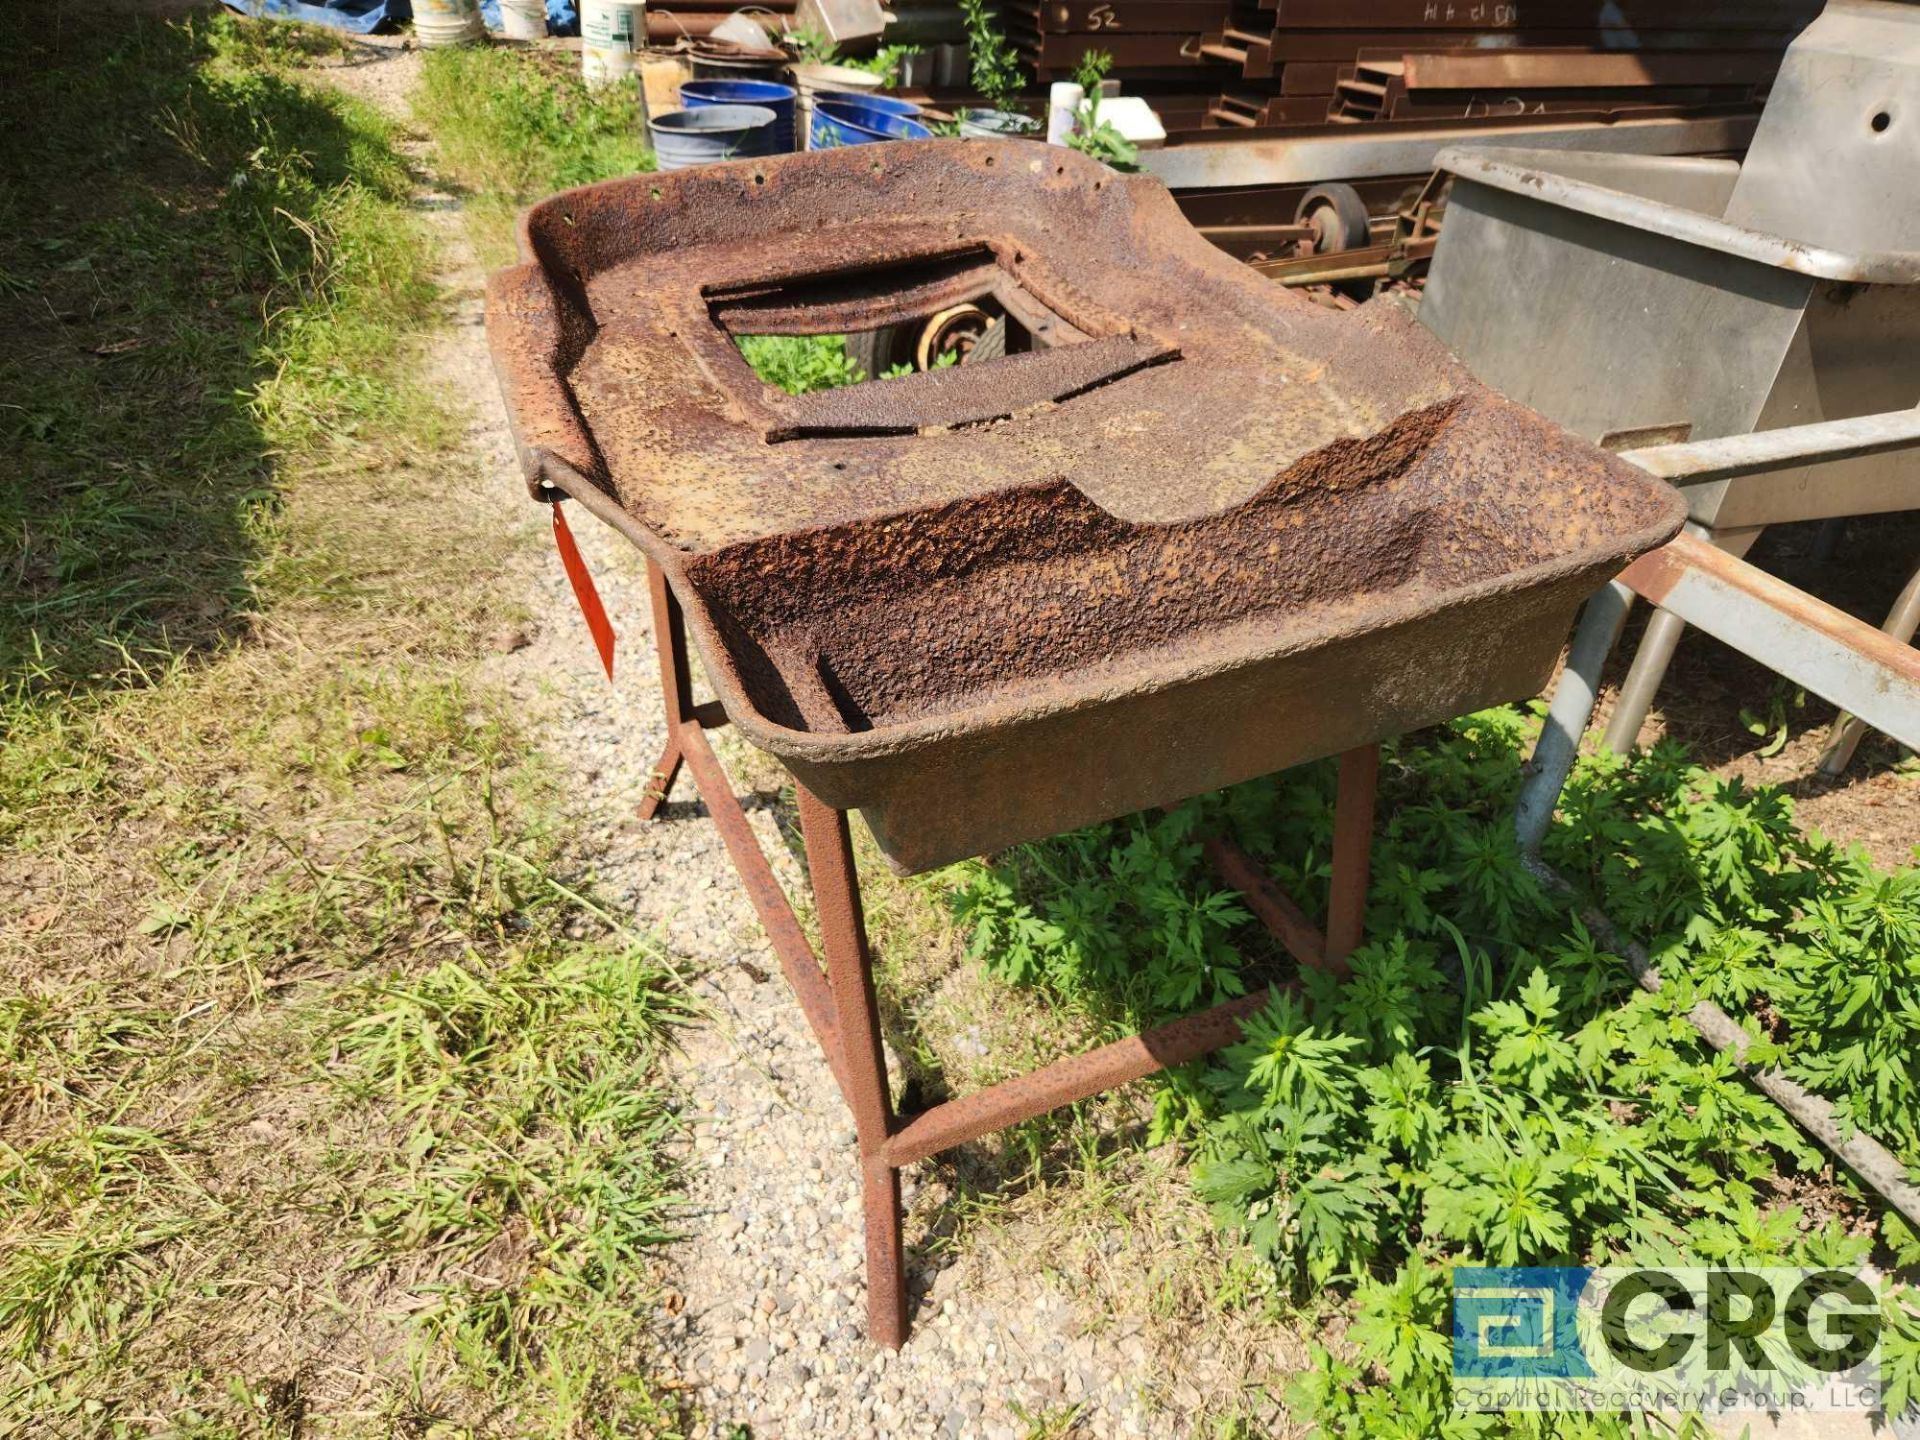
{"x":1274,"y":65}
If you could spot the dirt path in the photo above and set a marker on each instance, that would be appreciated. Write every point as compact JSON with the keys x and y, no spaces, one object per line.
{"x":1054,"y":1316}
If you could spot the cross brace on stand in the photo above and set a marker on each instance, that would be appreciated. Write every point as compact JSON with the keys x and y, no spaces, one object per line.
{"x":838,"y":1001}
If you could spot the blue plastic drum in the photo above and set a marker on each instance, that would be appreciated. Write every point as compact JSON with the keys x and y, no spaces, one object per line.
{"x":780,"y":99}
{"x":711,"y":133}
{"x":885,"y":104}
{"x":840,"y":123}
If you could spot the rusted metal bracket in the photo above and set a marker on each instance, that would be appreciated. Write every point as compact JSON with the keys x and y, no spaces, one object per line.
{"x":1285,"y":921}
{"x":687,"y":725}
{"x":1271,"y":905}
{"x":1810,"y":642}
{"x":838,"y":1001}
{"x":1373,"y":262}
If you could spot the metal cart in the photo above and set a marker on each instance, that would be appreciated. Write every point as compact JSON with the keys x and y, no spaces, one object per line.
{"x":1644,"y":300}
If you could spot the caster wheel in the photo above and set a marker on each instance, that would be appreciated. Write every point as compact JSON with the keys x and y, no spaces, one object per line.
{"x":1336,"y":215}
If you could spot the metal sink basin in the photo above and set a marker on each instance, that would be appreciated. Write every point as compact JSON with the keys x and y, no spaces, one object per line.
{"x":1191,"y":530}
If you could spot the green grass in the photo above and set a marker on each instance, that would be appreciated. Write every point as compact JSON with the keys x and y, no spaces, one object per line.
{"x":513,"y":127}
{"x":165,"y":266}
{"x":530,"y":1163}
{"x":328,"y":1108}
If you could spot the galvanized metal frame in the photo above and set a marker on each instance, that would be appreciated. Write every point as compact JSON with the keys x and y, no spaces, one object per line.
{"x":1847,"y":661}
{"x":1793,"y":634}
{"x":835,"y":986}
{"x":1901,"y":623}
{"x":1710,"y":299}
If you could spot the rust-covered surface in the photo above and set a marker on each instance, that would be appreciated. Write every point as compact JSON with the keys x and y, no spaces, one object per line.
{"x":1203,"y":530}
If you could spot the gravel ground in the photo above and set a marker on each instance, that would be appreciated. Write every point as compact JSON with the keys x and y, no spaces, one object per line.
{"x":1033,"y":1324}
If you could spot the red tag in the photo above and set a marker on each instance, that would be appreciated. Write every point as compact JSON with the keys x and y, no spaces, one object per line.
{"x":583,"y":591}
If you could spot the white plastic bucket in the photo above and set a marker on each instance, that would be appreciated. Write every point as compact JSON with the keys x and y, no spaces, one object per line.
{"x":1063,"y":109}
{"x":610,"y":32}
{"x":447,"y":22}
{"x":523,"y":19}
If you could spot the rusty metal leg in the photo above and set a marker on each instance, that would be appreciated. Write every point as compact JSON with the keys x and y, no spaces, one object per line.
{"x":1271,"y":905}
{"x":843,"y":936}
{"x":676,"y":685}
{"x":1902,"y":621}
{"x":660,"y":782}
{"x":1076,"y":1077}
{"x":1352,"y":846}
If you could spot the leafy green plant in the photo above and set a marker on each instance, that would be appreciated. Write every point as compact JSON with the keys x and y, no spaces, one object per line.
{"x":996,"y":65}
{"x":813,"y":44}
{"x":1077,"y":914}
{"x":1811,"y":940}
{"x":1402,"y":1321}
{"x":945,"y":360}
{"x":1091,"y":134}
{"x":1489,"y":1086}
{"x":1774,"y":721}
{"x":818,"y":47}
{"x":799,"y":363}
{"x":886,"y":62}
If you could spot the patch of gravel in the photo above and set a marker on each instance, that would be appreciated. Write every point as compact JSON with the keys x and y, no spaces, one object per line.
{"x":765,"y":1304}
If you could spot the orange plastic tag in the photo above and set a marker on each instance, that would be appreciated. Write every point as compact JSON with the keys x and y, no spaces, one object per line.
{"x":590,"y":607}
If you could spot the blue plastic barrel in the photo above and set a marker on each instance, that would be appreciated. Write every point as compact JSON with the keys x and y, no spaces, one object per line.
{"x":701,"y":94}
{"x":712,"y":132}
{"x":885,"y":104}
{"x":848,"y":124}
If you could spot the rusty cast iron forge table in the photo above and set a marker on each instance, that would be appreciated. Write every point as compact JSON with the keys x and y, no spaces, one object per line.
{"x":1187,"y":531}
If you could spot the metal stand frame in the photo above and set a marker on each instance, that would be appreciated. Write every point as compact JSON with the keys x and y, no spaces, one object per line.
{"x":1657,"y":645}
{"x":1868,"y":672}
{"x":838,"y":1000}
{"x":1871,"y":674}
